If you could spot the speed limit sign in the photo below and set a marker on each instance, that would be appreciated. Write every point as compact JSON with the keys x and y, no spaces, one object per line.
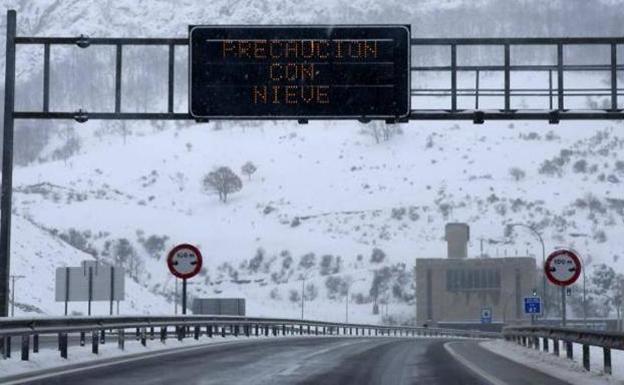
{"x":562,"y":267}
{"x":184,"y":261}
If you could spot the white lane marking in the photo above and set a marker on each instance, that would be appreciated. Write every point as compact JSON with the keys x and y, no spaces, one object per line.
{"x":472,"y":367}
{"x":135,"y":357}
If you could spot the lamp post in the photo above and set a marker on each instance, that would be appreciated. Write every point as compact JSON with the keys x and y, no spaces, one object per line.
{"x":541,"y":240}
{"x":349,"y":283}
{"x":13,"y":279}
{"x":303,"y":278}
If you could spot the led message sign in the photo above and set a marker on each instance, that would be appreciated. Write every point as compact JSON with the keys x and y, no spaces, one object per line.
{"x":299,"y":72}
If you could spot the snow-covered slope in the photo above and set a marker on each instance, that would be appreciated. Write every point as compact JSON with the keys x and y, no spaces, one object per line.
{"x":36,"y":254}
{"x":327,"y":201}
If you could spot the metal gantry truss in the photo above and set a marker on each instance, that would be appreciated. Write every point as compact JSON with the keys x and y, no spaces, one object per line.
{"x":554,"y":114}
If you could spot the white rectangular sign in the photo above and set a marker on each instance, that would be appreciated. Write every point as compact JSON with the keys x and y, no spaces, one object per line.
{"x":72,"y":283}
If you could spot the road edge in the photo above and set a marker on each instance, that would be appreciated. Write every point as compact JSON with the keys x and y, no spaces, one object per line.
{"x":491,"y":380}
{"x":46,"y":373}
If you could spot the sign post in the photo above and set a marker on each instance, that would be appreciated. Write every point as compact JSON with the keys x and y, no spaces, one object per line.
{"x":184,"y":261}
{"x":562,"y":268}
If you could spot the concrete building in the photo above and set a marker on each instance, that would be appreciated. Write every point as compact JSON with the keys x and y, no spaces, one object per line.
{"x":457,"y":289}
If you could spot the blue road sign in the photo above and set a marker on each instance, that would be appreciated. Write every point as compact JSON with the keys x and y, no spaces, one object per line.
{"x":532,"y":305}
{"x":486,"y":315}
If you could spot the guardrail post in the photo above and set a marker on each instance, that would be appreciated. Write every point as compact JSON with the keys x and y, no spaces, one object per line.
{"x":82,"y":338}
{"x":569,"y":351}
{"x":6,"y":347}
{"x":324,"y":331}
{"x":607,"y":360}
{"x":257,"y":330}
{"x":163,"y":334}
{"x":266,"y":330}
{"x":25,"y":347}
{"x":95,"y":339}
{"x":196,"y":333}
{"x":103,"y":336}
{"x":223,"y":331}
{"x":3,"y":344}
{"x":151,"y":333}
{"x":247,"y":330}
{"x":137,"y":334}
{"x":556,"y":347}
{"x":586,"y":356}
{"x":284,"y":330}
{"x":63,"y":344}
{"x":376,"y":331}
{"x":236,"y":330}
{"x":545,"y":343}
{"x":536,"y":343}
{"x":300,"y":330}
{"x":209,"y":331}
{"x":35,"y":343}
{"x":121,"y":338}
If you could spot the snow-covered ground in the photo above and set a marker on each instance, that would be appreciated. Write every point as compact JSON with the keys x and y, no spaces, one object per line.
{"x":324,"y":193}
{"x":571,"y":371}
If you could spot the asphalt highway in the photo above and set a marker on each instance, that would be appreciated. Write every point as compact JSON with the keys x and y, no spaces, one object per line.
{"x":317,"y":360}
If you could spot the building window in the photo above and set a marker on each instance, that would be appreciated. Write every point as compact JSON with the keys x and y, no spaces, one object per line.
{"x":469,"y":279}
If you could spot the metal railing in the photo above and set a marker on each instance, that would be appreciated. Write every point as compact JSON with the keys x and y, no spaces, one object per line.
{"x":529,"y":336}
{"x":144,"y":328}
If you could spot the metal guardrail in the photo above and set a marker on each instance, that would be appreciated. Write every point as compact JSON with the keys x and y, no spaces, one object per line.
{"x":144,"y":328}
{"x":529,"y":336}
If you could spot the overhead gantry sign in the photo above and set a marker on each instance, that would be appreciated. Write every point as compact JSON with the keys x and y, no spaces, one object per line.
{"x":300,"y":72}
{"x":358,"y":72}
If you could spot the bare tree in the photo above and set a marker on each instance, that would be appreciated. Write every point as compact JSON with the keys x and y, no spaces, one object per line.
{"x":224,"y":181}
{"x":248,"y":169}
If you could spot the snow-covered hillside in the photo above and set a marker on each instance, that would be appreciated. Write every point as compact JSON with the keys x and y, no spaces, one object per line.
{"x":327,"y":202}
{"x":329,"y":189}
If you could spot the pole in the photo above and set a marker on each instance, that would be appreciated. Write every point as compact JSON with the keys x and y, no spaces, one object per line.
{"x":584,"y":300}
{"x":347,"y":306}
{"x":7,"y":164}
{"x":112,"y":289}
{"x":90,"y":288}
{"x":541,"y":240}
{"x":563,"y":306}
{"x":66,"y":288}
{"x":302,"y":296}
{"x":12,"y":296}
{"x":175,"y":297}
{"x":184,"y":296}
{"x":545,"y":309}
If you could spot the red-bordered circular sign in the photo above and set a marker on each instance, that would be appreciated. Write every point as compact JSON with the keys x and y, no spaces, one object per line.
{"x":184,"y":261}
{"x":562,"y":267}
